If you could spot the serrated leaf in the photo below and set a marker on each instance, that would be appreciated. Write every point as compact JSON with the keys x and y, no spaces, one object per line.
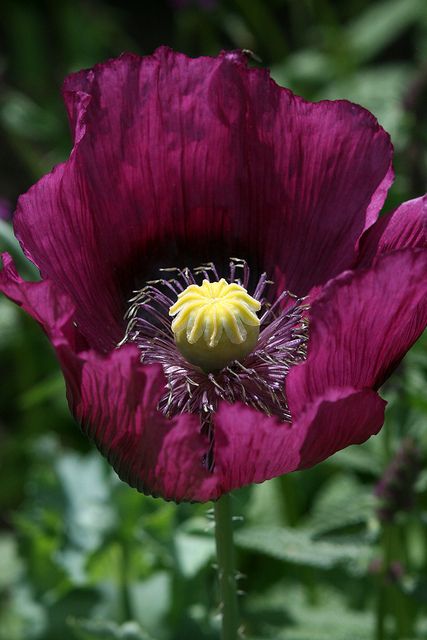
{"x":298,"y":547}
{"x":341,"y":502}
{"x":359,"y":458}
{"x":330,"y":619}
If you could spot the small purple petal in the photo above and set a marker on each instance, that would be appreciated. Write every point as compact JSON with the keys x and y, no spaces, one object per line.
{"x":114,"y":398}
{"x":250,"y":447}
{"x":361,"y":326}
{"x":44,"y":302}
{"x":404,"y":228}
{"x":116,"y":405}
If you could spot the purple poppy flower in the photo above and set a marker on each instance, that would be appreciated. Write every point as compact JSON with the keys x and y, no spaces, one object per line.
{"x":179,"y":162}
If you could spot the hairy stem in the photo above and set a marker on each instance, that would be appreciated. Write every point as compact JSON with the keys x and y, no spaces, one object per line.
{"x":226,"y":568}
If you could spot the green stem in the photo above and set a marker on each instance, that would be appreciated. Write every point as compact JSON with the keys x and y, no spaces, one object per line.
{"x":124,"y":583}
{"x":226,"y":569}
{"x":381,"y":610}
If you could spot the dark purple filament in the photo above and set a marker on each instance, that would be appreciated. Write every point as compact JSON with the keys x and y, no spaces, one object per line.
{"x":258,"y":381}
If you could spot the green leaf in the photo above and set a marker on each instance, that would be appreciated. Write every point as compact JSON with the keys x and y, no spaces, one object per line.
{"x":49,"y":388}
{"x":379,"y":89}
{"x":8,"y":322}
{"x":298,"y":547}
{"x":21,"y":617}
{"x":264,"y":26}
{"x":381,"y":24}
{"x":106,"y":630}
{"x":329,"y":619}
{"x":89,"y":515}
{"x":152,"y":599}
{"x":360,"y":458}
{"x":307,"y":66}
{"x":9,"y":243}
{"x":10,"y":563}
{"x":22,"y":117}
{"x":193,"y":552}
{"x":341,"y":502}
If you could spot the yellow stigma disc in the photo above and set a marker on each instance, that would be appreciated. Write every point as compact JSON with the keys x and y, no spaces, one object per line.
{"x":215,"y":323}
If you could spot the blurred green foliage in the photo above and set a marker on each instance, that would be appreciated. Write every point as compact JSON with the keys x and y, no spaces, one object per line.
{"x":82,"y":556}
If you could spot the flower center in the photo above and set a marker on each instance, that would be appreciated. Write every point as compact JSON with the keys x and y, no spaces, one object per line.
{"x":238,"y":357}
{"x":215,"y":324}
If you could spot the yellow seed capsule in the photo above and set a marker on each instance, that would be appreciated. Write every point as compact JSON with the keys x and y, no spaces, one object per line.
{"x":215,"y":323}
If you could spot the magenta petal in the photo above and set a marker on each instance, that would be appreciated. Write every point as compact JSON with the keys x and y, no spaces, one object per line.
{"x":178,"y":159}
{"x":361,"y":326}
{"x":116,"y":404}
{"x":341,"y":420}
{"x":403,"y":228}
{"x":43,"y":301}
{"x":115,"y":397}
{"x":251,"y":447}
{"x":56,"y":230}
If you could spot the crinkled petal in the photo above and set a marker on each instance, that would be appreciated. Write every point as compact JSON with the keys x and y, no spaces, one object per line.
{"x":116,"y":405}
{"x":44,"y":302}
{"x":178,"y":160}
{"x":59,"y":234}
{"x":361,"y":327}
{"x":114,"y":398}
{"x":250,"y":447}
{"x":403,"y":228}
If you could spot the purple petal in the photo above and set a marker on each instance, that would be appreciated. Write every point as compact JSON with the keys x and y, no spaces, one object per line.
{"x":251,"y":447}
{"x":403,"y":228}
{"x":178,"y":160}
{"x":224,"y":150}
{"x":116,"y":404}
{"x":361,"y":327}
{"x":43,"y":301}
{"x":341,"y":420}
{"x":58,"y":234}
{"x":114,"y":398}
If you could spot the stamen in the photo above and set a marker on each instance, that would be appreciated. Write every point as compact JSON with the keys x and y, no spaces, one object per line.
{"x":257,"y":379}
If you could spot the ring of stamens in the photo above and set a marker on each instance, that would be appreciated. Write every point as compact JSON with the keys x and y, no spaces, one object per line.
{"x":258,"y":380}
